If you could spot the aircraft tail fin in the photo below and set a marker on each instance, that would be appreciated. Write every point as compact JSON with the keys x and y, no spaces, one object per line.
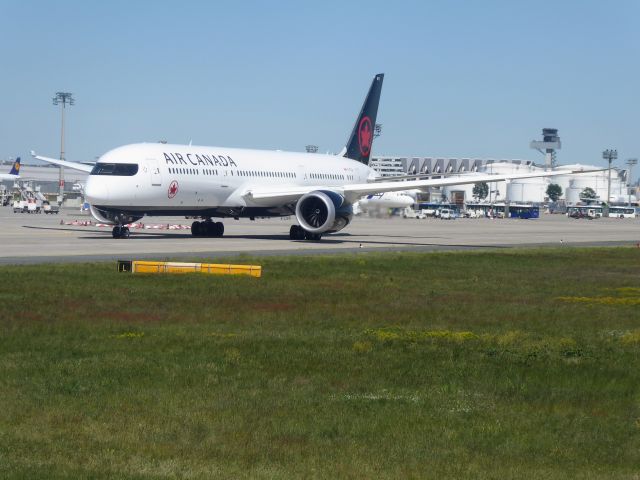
{"x":15,"y":169}
{"x":359,"y":144}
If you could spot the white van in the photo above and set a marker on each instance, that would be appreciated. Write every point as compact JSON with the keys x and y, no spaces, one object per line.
{"x":447,"y":214}
{"x":411,"y":213}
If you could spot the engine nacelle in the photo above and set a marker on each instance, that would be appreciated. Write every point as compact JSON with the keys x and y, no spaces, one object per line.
{"x":113,"y":216}
{"x":323,"y":211}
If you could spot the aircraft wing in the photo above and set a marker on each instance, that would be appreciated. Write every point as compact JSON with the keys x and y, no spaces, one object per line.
{"x":462,"y":179}
{"x":282,"y":195}
{"x":83,"y":167}
{"x":352,"y":192}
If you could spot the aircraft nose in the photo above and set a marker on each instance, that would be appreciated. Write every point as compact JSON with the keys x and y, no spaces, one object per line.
{"x":96,"y":192}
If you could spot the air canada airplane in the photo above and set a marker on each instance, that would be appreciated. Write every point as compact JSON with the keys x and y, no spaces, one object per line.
{"x":14,"y":173}
{"x":135,"y":180}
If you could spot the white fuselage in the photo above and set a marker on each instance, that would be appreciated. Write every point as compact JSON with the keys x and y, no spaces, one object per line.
{"x":183,"y":179}
{"x":8,"y":176}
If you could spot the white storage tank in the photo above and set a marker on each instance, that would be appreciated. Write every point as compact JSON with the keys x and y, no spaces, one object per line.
{"x":467,"y":188}
{"x":577,"y":184}
{"x":573,"y":185}
{"x":570,"y":192}
{"x":527,"y":190}
{"x":517,"y":187}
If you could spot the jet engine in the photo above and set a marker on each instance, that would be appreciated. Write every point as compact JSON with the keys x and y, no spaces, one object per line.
{"x":323,"y":211}
{"x":115,"y":217}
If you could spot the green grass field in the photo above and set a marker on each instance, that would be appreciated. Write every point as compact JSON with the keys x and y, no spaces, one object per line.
{"x":514,"y":364}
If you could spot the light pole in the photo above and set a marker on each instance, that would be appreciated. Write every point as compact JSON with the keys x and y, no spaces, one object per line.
{"x":609,"y":155}
{"x":63,"y":99}
{"x":631,"y":162}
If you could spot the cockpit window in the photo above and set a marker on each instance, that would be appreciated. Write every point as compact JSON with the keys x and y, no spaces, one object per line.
{"x":117,"y":169}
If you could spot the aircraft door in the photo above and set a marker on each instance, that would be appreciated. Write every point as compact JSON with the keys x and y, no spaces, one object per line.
{"x":301,"y":174}
{"x":154,"y":171}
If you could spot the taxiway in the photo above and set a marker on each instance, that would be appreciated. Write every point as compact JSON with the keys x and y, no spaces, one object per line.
{"x":35,"y":238}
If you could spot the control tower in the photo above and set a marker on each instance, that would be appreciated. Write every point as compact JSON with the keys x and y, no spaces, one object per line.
{"x":548,"y":146}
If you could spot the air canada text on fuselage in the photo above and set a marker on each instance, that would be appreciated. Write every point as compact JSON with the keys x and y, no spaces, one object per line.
{"x":175,"y":158}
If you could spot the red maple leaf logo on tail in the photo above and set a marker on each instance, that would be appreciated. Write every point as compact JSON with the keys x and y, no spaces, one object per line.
{"x":365,"y":136}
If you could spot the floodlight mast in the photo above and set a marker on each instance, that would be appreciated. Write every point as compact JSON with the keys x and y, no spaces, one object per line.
{"x":609,"y":155}
{"x":63,"y":99}
{"x":631,"y":162}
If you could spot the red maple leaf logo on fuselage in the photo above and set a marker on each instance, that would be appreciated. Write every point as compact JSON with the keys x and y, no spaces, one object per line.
{"x":173,"y":189}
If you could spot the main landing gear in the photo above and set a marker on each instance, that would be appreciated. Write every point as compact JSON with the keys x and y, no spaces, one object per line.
{"x":120,"y":231}
{"x":296,"y":232}
{"x":207,"y":229}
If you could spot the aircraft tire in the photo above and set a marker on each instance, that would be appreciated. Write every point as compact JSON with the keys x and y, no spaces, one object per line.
{"x":218,"y":229}
{"x":209,"y":229}
{"x":116,"y":232}
{"x":196,"y":229}
{"x":296,"y":232}
{"x":314,"y":237}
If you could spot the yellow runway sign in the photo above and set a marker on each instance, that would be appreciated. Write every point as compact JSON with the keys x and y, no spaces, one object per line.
{"x":144,"y":266}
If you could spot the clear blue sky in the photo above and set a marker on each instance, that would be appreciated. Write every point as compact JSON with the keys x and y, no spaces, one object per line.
{"x":463,"y":78}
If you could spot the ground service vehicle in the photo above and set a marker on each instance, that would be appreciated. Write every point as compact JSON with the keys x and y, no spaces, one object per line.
{"x":447,"y":214}
{"x":622,"y":212}
{"x":411,"y":213}
{"x":48,"y":208}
